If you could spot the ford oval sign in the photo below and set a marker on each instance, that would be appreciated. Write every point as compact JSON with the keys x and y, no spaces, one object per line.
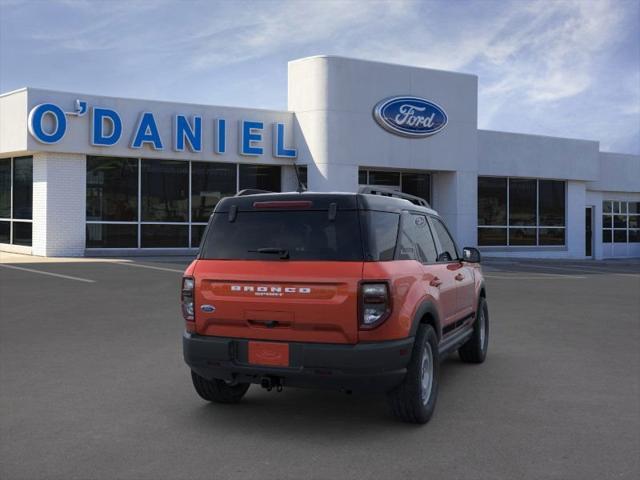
{"x":410,"y":116}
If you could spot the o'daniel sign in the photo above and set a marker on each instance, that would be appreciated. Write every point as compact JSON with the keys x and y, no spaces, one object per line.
{"x":408,"y":116}
{"x":48,"y":123}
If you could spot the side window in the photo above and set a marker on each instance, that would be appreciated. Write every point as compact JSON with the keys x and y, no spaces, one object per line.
{"x":416,"y":242}
{"x":448,"y":251}
{"x":382,"y":234}
{"x":408,"y":249}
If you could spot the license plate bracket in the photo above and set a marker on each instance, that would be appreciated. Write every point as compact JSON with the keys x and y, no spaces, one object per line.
{"x":271,"y":354}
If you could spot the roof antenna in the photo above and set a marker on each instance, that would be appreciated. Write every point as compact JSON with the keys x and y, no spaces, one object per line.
{"x":301,"y":186}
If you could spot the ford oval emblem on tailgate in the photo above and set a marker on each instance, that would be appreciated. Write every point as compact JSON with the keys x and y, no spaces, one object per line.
{"x":208,"y":308}
{"x":410,"y":116}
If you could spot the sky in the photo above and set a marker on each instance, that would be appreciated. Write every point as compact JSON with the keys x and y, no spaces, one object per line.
{"x":568,"y":68}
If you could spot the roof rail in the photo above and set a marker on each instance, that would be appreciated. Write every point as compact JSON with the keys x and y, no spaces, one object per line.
{"x":388,"y":192}
{"x":250,"y":191}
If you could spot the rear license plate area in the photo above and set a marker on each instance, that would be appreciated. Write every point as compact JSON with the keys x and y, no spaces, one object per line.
{"x":270,"y":354}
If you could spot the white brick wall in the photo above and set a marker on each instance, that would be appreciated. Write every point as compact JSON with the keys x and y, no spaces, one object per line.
{"x":59,"y":198}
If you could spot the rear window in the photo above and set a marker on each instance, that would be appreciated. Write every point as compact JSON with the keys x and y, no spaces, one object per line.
{"x":266,"y":235}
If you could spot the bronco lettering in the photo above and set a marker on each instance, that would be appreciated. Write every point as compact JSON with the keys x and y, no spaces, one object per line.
{"x":269,"y":289}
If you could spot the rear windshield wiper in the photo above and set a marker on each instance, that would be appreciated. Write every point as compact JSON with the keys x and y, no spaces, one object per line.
{"x":283,"y":252}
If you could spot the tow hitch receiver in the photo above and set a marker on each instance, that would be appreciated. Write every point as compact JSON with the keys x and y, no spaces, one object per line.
{"x":269,"y":383}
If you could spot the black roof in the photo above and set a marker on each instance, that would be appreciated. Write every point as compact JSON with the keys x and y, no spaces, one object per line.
{"x":322,"y":201}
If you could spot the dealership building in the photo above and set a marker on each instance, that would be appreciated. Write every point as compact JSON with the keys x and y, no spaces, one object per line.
{"x":94,"y":175}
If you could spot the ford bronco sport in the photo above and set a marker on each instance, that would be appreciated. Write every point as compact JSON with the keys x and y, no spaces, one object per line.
{"x":353,"y":291}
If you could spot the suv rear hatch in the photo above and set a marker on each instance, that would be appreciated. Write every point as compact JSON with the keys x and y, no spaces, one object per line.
{"x":281,"y":267}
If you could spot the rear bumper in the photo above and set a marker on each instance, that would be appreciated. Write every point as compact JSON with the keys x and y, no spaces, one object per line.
{"x":376,"y":366}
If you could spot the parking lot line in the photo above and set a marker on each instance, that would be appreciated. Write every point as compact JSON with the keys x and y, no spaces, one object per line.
{"x":58,"y":275}
{"x":536,"y":276}
{"x":151,"y":267}
{"x":564,"y":268}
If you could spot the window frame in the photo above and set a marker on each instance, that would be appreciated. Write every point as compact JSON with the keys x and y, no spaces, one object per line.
{"x":538,"y":226}
{"x":436,"y":238}
{"x":506,"y":199}
{"x":189,"y":223}
{"x":618,"y":208}
{"x":134,"y":161}
{"x":11,"y":219}
{"x":403,"y":220}
{"x":239,"y":173}
{"x":366,"y":171}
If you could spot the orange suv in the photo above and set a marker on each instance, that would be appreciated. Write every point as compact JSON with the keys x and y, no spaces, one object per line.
{"x":353,"y":291}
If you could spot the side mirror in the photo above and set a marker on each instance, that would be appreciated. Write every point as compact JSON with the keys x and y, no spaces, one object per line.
{"x":444,"y":257}
{"x":470,"y":254}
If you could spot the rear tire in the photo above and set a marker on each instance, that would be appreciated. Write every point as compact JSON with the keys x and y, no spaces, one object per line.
{"x":414,"y":400}
{"x":475,"y":349}
{"x":218,"y":391}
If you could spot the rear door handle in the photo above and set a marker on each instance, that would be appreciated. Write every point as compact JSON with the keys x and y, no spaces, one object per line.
{"x":435,"y":282}
{"x":459,"y":277}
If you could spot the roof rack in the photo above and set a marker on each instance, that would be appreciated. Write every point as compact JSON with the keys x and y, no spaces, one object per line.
{"x":250,"y":191}
{"x":387,"y":192}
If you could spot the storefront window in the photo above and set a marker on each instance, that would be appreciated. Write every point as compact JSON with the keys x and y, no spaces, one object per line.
{"x":144,"y":203}
{"x":551,"y":200}
{"x":619,"y":236}
{"x":551,"y":236}
{"x":112,"y":235}
{"x":210,"y":182}
{"x":522,"y":236}
{"x":16,"y":200}
{"x":492,"y":236}
{"x":261,"y":177}
{"x":417,"y":184}
{"x":620,"y":221}
{"x":5,"y":188}
{"x":22,"y":232}
{"x":384,"y":178}
{"x":302,"y":174}
{"x":5,"y":231}
{"x":522,"y":202}
{"x":197,"y":231}
{"x":22,"y":187}
{"x":112,"y":189}
{"x":165,"y":188}
{"x":165,"y":236}
{"x":521,"y":212}
{"x":492,"y":201}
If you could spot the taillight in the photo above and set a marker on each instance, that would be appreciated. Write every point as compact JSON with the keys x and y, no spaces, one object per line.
{"x":375,"y":304}
{"x":186,"y":298}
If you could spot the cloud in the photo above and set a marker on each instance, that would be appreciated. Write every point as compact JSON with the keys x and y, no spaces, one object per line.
{"x":261,"y":32}
{"x":550,"y":56}
{"x":542,"y":65}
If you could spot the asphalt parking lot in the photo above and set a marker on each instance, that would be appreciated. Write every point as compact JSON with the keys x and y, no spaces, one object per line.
{"x":93,"y":386}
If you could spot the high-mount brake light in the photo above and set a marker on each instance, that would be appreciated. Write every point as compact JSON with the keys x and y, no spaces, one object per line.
{"x":186,"y":298}
{"x":284,"y":204}
{"x":375,"y":304}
